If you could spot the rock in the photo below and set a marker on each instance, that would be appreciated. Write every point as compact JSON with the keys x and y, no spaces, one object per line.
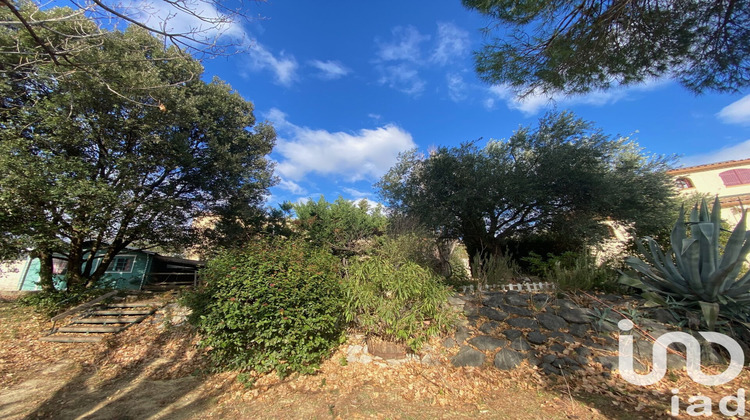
{"x":516,"y":299}
{"x":613,"y":362}
{"x":449,"y":343}
{"x":472,"y":310}
{"x":573,"y":315}
{"x":550,"y":369}
{"x":542,"y":298}
{"x":467,"y":356}
{"x":462,"y":333}
{"x":494,"y":301}
{"x":566,"y":304}
{"x":492,"y":314}
{"x":456,"y":301}
{"x":520,"y":344}
{"x":485,"y":342}
{"x":474,"y":321}
{"x":536,"y":337}
{"x":551,"y":321}
{"x":523,"y":323}
{"x":583,"y":351}
{"x":512,"y":334}
{"x":664,"y":316}
{"x":557,"y":348}
{"x":507,"y":359}
{"x":516,"y":310}
{"x":548,"y":358}
{"x":533,"y":360}
{"x":489,"y":326}
{"x":565,"y":337}
{"x":579,"y":330}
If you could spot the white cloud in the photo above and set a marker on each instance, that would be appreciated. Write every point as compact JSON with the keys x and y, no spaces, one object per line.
{"x":330,"y":70}
{"x":737,"y":112}
{"x":456,"y":87}
{"x":291,"y":186}
{"x":284,"y":67}
{"x":169,"y":17}
{"x":404,"y":47}
{"x":356,"y":193}
{"x":374,"y":116}
{"x":453,"y":42}
{"x":737,"y":151}
{"x":402,"y":77}
{"x":536,"y":101}
{"x":366,"y":154}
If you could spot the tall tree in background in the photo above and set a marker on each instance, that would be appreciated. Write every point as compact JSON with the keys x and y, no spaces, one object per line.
{"x":574,"y":46}
{"x":564,"y":178}
{"x":92,"y":166}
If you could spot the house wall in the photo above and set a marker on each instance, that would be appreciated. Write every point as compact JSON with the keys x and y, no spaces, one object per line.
{"x":11,"y":274}
{"x":119,"y":280}
{"x":706,"y":179}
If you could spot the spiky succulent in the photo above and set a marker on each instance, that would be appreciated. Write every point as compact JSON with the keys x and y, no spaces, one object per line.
{"x":695,"y":273}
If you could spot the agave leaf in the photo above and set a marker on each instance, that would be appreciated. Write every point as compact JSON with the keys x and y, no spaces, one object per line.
{"x":691,"y":259}
{"x":704,"y":215}
{"x":655,"y":298}
{"x":677,"y":237}
{"x":708,"y":251}
{"x":716,"y":222}
{"x":710,"y":313}
{"x":735,"y":242}
{"x":694,"y":220}
{"x":632,"y":281}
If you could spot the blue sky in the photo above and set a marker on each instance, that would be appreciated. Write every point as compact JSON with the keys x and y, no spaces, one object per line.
{"x":349,"y":85}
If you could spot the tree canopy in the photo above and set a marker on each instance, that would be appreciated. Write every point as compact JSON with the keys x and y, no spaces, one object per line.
{"x":341,"y":224}
{"x":91,"y":166}
{"x":574,"y":46}
{"x":562,"y":178}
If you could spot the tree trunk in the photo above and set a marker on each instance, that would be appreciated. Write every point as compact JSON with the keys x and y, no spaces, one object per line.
{"x":45,"y":270}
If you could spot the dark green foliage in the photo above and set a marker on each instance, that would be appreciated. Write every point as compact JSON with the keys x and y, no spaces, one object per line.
{"x":574,"y":271}
{"x":696,"y":273}
{"x":396,"y":300}
{"x":561,"y":179}
{"x":341,"y":225}
{"x":575,"y":46}
{"x":273,"y":305}
{"x":87,"y":165}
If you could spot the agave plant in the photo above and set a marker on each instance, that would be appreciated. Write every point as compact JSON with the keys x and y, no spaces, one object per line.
{"x":695,"y":273}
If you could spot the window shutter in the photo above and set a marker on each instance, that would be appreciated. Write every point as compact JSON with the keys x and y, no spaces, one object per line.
{"x":730,"y":177}
{"x":743,"y":175}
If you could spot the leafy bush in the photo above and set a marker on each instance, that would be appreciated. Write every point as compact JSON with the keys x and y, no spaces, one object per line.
{"x":52,"y":303}
{"x":695,"y":274}
{"x":573,"y":271}
{"x":340,"y":224}
{"x":274,"y":305}
{"x":494,"y":269}
{"x":396,"y":300}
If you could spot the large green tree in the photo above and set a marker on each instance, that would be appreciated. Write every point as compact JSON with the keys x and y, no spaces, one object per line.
{"x":562,"y":178}
{"x":96,"y":166}
{"x":574,"y":46}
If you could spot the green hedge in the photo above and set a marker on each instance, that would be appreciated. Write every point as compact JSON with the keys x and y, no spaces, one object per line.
{"x":274,"y":305}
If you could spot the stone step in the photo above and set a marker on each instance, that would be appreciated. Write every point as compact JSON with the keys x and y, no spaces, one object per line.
{"x":91,"y":329}
{"x":147,"y":304}
{"x":108,"y":320}
{"x":72,"y":339}
{"x":120,"y":312}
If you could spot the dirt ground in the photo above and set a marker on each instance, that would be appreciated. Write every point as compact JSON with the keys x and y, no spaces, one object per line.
{"x":152,"y":372}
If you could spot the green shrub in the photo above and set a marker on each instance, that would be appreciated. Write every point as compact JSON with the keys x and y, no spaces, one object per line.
{"x":494,"y":269}
{"x":274,"y":305}
{"x":574,"y":271}
{"x":52,"y":303}
{"x":396,"y":300}
{"x":342,"y":225}
{"x":695,"y":274}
